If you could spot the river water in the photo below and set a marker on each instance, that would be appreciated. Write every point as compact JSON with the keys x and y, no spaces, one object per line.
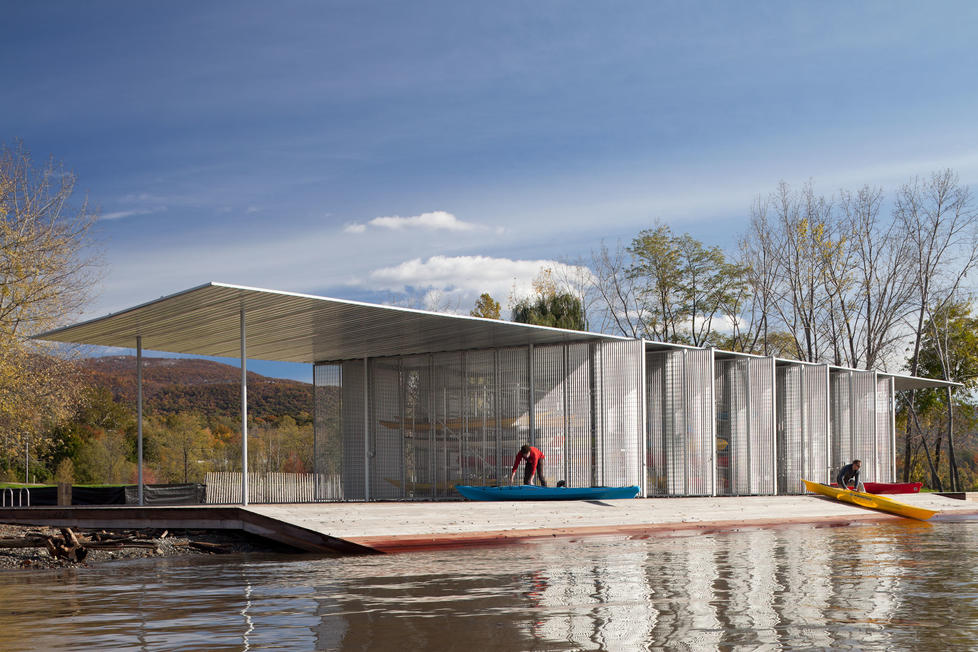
{"x":893,"y":585}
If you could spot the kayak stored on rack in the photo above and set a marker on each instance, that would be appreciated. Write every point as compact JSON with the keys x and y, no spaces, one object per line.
{"x":890,"y":487}
{"x":871,"y":501}
{"x":533,"y":492}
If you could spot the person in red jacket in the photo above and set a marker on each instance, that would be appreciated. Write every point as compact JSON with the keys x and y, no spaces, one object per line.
{"x":534,"y":465}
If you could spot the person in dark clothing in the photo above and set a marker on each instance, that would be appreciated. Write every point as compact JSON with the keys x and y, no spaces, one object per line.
{"x":849,"y":475}
{"x":534,"y":465}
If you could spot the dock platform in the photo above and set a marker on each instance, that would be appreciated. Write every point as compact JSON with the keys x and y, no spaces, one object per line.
{"x":387,"y":527}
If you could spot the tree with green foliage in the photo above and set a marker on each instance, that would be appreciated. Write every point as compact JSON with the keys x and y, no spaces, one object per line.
{"x":550,"y":306}
{"x":682,"y":285}
{"x":948,"y":350}
{"x":560,"y":310}
{"x":181,"y":440}
{"x":486,"y":307}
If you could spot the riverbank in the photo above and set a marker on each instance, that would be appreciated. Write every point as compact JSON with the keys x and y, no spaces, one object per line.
{"x":125,"y":544}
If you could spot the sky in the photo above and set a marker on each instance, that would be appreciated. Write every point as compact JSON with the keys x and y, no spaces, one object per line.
{"x":381,"y":150}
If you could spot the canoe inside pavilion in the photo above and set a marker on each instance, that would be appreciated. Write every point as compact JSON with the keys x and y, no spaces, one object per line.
{"x":409,"y":403}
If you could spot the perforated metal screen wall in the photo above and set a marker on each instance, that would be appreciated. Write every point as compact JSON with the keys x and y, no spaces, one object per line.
{"x":412,"y":427}
{"x":862,"y":423}
{"x":803,"y":429}
{"x":745,"y":426}
{"x":434,"y":421}
{"x":680,"y":422}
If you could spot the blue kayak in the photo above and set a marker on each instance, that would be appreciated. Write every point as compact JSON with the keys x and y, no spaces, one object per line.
{"x":533,"y":492}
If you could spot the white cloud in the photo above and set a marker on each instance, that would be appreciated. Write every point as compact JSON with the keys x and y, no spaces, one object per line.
{"x":121,"y":215}
{"x":435,"y":220}
{"x":463,"y":278}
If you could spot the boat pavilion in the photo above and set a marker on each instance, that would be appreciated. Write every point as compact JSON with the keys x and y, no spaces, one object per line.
{"x":409,"y":403}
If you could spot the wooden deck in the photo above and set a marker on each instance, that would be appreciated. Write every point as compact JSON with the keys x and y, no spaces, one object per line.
{"x":371,"y":528}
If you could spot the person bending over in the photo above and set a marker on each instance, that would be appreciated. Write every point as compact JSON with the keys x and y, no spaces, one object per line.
{"x":534,"y":465}
{"x":849,"y":475}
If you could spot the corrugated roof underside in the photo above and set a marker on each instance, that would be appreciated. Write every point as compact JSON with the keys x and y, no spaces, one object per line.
{"x":296,"y":328}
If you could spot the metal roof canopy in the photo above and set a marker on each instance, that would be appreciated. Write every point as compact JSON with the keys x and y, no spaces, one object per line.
{"x":290,"y":327}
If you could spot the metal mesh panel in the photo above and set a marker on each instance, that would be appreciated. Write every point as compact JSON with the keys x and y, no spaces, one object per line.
{"x":514,"y":405}
{"x":447,"y":390}
{"x":480,"y":453}
{"x":439,"y":420}
{"x":386,"y":448}
{"x":328,"y":442}
{"x":791,"y":422}
{"x":815,"y":387}
{"x":842,"y":415}
{"x":864,"y":422}
{"x":419,"y":462}
{"x":579,"y":442}
{"x":680,"y":422}
{"x":803,"y":426}
{"x":549,"y":409}
{"x":700,"y":423}
{"x":733,"y":427}
{"x":352,"y":422}
{"x":761,"y":428}
{"x":884,"y":429}
{"x":620,"y":404}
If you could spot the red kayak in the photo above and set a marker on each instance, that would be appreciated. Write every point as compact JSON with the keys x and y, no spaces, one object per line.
{"x":891,"y":487}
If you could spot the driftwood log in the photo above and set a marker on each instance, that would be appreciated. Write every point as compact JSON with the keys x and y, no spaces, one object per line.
{"x":72,"y":547}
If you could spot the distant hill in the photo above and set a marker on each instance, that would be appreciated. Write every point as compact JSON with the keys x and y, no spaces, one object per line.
{"x":178,"y":384}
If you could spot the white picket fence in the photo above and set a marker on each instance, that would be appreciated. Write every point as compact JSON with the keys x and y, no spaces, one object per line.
{"x":224,"y":487}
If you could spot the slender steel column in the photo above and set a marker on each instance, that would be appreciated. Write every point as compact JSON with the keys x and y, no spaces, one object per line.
{"x":139,"y":412}
{"x":366,"y":430}
{"x":533,"y":404}
{"x":643,"y":420}
{"x":774,"y":422}
{"x":749,"y":435}
{"x":244,"y":414}
{"x":876,"y":441}
{"x":315,"y":438}
{"x":828,"y":426}
{"x":713,"y":420}
{"x":892,"y":430}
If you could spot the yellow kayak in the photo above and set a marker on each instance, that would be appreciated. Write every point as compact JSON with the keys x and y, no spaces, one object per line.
{"x":872,"y":501}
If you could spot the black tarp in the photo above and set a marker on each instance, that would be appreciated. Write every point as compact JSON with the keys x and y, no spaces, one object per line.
{"x":167,"y":494}
{"x":153,"y":494}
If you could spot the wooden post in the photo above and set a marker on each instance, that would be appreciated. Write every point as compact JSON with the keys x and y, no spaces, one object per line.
{"x":64,"y":494}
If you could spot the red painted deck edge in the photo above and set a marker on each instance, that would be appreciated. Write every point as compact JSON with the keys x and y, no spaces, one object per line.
{"x":413,"y":542}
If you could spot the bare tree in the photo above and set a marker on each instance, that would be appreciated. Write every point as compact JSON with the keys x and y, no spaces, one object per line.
{"x":616,"y":292}
{"x":878,"y":288}
{"x":940,"y":223}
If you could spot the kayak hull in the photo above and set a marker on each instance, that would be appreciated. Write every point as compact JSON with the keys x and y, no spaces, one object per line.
{"x":890,"y":487}
{"x":533,"y":492}
{"x":871,"y":501}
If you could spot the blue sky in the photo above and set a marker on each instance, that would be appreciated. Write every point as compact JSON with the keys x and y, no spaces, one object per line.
{"x":259,"y":143}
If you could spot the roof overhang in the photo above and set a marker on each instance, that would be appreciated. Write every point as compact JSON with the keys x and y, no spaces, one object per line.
{"x":903,"y":383}
{"x":290,"y":327}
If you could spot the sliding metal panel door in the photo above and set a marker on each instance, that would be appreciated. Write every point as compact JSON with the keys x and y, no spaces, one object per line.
{"x":354,"y":431}
{"x":327,"y":419}
{"x":762,"y":430}
{"x":514,"y":406}
{"x":386,"y":430}
{"x":884,"y":429}
{"x":620,"y":403}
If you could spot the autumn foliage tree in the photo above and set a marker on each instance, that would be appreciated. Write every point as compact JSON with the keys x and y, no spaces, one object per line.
{"x":46,"y":273}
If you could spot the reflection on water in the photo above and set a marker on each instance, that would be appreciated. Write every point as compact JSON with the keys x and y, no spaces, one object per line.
{"x":884,"y":586}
